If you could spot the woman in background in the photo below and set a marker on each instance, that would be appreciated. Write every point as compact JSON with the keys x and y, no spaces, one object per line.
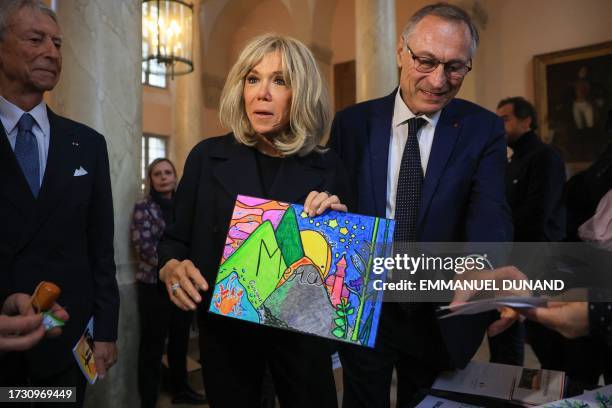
{"x":158,"y":317}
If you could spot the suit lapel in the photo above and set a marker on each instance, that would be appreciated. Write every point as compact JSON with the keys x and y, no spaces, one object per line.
{"x":445,"y":137}
{"x":379,"y":137}
{"x":61,"y":162}
{"x":58,"y":173}
{"x":14,"y":186}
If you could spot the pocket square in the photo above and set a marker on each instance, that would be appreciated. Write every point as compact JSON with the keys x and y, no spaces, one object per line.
{"x":80,"y":172}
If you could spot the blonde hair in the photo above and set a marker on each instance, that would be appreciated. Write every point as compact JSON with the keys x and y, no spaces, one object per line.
{"x":310,"y":114}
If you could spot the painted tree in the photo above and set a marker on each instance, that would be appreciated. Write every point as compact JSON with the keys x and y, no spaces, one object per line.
{"x":343,"y":311}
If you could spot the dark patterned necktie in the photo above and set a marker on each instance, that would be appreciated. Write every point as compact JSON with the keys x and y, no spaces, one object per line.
{"x":26,"y":151}
{"x":409,"y":185}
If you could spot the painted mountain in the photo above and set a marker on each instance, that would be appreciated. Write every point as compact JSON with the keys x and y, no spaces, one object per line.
{"x":284,"y":269}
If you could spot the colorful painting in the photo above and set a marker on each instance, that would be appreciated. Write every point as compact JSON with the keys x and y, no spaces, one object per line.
{"x":283,"y":269}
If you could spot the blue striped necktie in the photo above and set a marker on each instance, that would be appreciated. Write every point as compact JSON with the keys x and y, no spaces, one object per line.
{"x":26,"y":151}
{"x":409,"y":185}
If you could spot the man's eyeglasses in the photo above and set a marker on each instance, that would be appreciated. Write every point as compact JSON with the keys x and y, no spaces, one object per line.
{"x":454,"y":69}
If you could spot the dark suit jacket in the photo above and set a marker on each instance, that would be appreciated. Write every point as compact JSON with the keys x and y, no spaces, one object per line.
{"x":463,"y":191}
{"x":216,"y":171}
{"x":535,"y":179}
{"x":65,"y":236}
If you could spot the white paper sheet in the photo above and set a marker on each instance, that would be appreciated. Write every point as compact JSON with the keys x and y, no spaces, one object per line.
{"x":485,"y":305}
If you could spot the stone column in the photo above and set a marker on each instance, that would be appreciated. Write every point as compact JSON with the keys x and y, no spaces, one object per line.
{"x":101,"y":87}
{"x":375,"y":43}
{"x":188,"y":103}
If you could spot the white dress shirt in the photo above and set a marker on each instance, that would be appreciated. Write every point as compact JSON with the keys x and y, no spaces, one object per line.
{"x":10,"y":115}
{"x":399,"y":136}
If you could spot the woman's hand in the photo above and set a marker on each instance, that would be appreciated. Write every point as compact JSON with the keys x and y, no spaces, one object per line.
{"x":183,"y":282}
{"x":319,"y":202}
{"x":571,"y":319}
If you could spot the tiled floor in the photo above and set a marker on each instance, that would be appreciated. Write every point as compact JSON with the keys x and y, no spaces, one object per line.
{"x":195,"y":378}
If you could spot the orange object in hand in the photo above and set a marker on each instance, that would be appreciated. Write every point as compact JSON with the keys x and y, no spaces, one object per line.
{"x":45,"y":295}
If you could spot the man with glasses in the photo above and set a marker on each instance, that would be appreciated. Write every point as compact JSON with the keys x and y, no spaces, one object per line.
{"x":436,"y":164}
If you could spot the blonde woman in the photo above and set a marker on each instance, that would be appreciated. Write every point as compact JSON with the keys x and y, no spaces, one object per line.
{"x":277,"y":106}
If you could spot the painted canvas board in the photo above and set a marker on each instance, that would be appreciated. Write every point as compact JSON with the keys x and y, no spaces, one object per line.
{"x":283,"y":269}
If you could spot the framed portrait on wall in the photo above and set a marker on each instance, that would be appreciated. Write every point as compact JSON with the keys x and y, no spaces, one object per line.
{"x":573,"y":94}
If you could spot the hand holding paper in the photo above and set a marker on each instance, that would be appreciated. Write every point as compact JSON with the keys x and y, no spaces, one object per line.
{"x":571,"y":319}
{"x":318,"y":202}
{"x":498,"y":275}
{"x":105,"y":356}
{"x":506,"y":303}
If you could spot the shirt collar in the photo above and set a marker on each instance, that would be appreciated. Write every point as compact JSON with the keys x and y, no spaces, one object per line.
{"x":401,"y":112}
{"x":11,"y":113}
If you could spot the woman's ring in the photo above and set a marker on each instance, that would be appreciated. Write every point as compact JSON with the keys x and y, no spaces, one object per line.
{"x":175,"y":286}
